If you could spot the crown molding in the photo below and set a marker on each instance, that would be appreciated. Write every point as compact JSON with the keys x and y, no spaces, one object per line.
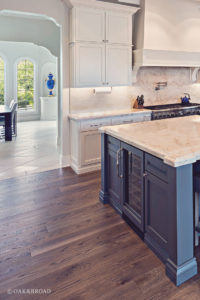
{"x":104,"y":5}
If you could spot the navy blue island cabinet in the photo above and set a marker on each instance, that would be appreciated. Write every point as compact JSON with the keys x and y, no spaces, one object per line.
{"x":155,"y":199}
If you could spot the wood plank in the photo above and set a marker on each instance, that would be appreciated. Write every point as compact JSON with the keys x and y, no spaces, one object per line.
{"x":55,"y":234}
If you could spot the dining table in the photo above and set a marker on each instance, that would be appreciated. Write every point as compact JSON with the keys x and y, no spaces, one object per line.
{"x":6,"y":112}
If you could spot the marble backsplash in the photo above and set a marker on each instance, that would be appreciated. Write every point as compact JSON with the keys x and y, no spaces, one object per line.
{"x":178,"y":82}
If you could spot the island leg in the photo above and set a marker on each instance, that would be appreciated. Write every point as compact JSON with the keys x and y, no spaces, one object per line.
{"x":181,"y":264}
{"x":103,"y":195}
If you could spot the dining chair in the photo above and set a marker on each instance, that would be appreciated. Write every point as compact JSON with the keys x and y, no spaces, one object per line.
{"x":12,"y":103}
{"x":13,"y":106}
{"x":14,"y":119}
{"x":2,"y":119}
{"x":2,"y":130}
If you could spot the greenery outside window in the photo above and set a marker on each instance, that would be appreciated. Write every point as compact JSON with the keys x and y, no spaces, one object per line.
{"x":2,"y":75}
{"x":25,"y":85}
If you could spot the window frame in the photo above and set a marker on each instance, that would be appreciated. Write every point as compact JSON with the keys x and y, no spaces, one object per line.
{"x":2,"y":56}
{"x":35,"y":108}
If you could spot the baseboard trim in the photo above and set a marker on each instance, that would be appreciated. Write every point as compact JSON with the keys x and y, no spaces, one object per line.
{"x":180,"y":274}
{"x":103,"y":197}
{"x":65,"y":161}
{"x":87,"y":169}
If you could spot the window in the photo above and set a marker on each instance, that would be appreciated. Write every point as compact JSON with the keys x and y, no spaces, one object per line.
{"x":2,"y":75}
{"x":25,"y":85}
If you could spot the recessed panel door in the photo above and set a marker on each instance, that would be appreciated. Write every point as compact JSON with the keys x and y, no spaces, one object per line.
{"x":133,"y":189}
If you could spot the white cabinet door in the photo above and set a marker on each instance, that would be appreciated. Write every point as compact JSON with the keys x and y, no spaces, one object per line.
{"x":90,"y":147}
{"x":118,"y":28}
{"x":90,"y":65}
{"x":89,"y":24}
{"x":118,"y":65}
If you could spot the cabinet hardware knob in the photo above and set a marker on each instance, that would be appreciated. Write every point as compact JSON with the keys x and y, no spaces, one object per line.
{"x":145,"y":174}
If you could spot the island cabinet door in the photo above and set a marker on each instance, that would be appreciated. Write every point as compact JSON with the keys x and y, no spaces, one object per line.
{"x":156,"y":214}
{"x":114,"y":156}
{"x":133,"y":186}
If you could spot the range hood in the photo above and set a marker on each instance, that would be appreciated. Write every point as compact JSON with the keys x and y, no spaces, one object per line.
{"x":166,"y":33}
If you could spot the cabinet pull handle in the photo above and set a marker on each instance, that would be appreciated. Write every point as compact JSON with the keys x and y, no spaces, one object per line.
{"x":119,"y":163}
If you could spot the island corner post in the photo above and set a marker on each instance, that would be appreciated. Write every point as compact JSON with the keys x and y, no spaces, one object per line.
{"x":178,"y":230}
{"x":181,"y":264}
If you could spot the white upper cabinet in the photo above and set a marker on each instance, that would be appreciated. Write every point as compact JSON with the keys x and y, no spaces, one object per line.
{"x":89,"y":64}
{"x":118,"y":65}
{"x":88,"y":25}
{"x":101,"y":44}
{"x":118,"y":28}
{"x":98,"y":25}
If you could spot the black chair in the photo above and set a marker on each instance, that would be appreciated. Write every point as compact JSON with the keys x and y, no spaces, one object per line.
{"x":12,"y":103}
{"x":2,"y":119}
{"x":13,"y":106}
{"x":2,"y":130}
{"x":14,"y":119}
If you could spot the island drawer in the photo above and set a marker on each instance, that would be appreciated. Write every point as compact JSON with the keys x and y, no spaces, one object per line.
{"x":156,"y":167}
{"x":113,"y":143}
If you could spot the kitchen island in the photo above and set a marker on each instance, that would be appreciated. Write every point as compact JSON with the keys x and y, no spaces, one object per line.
{"x":147,"y":176}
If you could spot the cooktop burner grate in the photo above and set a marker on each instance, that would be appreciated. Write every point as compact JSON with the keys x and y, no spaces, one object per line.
{"x":171,"y":106}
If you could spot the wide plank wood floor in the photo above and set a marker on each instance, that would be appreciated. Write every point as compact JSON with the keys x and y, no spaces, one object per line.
{"x":54,"y":234}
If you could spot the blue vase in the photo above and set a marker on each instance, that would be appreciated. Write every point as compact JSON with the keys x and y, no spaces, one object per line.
{"x":50,"y":84}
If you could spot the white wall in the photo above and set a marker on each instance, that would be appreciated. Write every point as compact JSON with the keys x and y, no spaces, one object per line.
{"x":45,"y":62}
{"x":57,"y":10}
{"x":39,"y":32}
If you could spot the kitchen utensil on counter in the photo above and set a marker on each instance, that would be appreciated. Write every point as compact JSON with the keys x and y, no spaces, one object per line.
{"x":139,"y":103}
{"x":186,"y":99}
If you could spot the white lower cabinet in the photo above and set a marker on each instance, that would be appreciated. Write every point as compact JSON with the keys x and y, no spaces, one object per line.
{"x":86,"y":144}
{"x":90,"y":148}
{"x":86,"y":139}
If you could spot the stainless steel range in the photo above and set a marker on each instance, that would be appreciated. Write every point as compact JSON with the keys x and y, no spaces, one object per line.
{"x":174,"y":110}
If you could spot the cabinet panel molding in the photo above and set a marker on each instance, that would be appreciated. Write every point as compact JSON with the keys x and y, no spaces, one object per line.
{"x":118,"y":28}
{"x":89,"y":24}
{"x":118,"y":65}
{"x":89,"y":63}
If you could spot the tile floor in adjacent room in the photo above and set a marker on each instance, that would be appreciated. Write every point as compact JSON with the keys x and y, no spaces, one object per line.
{"x":34,"y":150}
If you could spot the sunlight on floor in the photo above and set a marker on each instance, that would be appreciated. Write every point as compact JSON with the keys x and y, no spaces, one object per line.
{"x":33,"y":151}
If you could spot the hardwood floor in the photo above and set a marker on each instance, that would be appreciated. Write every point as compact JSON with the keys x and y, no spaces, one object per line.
{"x":54,"y":234}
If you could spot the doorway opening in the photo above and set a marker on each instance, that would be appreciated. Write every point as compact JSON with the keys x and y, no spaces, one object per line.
{"x":26,"y":60}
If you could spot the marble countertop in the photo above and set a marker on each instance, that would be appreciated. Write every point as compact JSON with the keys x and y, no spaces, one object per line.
{"x":176,"y":141}
{"x":114,"y":113}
